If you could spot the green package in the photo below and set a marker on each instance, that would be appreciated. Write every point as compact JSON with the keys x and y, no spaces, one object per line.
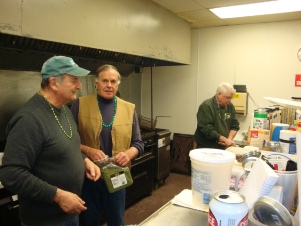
{"x":116,"y":177}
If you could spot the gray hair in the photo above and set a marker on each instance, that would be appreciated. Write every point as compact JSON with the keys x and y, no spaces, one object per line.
{"x":224,"y":87}
{"x":106,"y":67}
{"x":45,"y":81}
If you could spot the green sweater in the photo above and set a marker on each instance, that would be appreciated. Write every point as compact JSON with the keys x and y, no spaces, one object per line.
{"x":212,"y":122}
{"x":38,"y":159}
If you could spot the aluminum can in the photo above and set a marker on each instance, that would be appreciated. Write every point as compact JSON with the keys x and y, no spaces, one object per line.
{"x":228,"y":208}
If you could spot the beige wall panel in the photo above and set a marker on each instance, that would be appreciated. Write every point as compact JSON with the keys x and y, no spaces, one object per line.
{"x":10,"y":16}
{"x":129,"y":26}
{"x":261,"y":56}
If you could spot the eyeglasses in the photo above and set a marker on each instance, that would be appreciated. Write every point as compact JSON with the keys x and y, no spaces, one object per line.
{"x":227,"y":97}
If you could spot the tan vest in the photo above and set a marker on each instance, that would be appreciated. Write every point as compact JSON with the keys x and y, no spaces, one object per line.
{"x":89,"y":123}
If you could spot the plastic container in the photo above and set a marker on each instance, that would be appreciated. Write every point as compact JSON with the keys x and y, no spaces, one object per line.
{"x":270,"y":212}
{"x":275,"y":130}
{"x":210,"y":173}
{"x":288,"y":180}
{"x":260,"y":119}
{"x":238,"y":177}
{"x":287,"y":140}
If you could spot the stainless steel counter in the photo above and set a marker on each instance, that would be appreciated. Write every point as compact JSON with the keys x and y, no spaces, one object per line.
{"x":173,"y":215}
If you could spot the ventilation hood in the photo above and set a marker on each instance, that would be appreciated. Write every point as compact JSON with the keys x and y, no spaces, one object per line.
{"x":28,"y":54}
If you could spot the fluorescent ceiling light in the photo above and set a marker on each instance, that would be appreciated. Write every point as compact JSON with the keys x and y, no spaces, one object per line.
{"x":255,"y":9}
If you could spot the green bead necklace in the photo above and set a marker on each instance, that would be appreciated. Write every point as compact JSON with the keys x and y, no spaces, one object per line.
{"x":56,"y":118}
{"x":115,"y":106}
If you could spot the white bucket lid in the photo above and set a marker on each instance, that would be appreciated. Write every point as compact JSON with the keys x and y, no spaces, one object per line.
{"x":212,"y":155}
{"x":287,"y":134}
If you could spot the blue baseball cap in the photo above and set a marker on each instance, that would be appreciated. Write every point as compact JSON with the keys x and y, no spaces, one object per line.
{"x":59,"y":65}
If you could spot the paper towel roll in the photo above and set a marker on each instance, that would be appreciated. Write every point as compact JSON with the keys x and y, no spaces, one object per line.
{"x":275,"y":130}
{"x":298,"y":144}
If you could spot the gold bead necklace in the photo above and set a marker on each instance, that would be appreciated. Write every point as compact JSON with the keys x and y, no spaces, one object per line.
{"x":56,"y":118}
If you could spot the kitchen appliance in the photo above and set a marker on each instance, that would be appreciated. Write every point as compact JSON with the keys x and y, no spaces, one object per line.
{"x":142,"y":169}
{"x":162,"y":156}
{"x":9,"y":212}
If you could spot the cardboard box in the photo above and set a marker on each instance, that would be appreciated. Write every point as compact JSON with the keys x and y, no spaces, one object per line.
{"x":257,"y":136}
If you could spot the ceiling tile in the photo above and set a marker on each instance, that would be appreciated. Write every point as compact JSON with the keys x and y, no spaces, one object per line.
{"x":264,"y":19}
{"x":220,"y":3}
{"x":208,"y":23}
{"x":198,"y":15}
{"x":178,"y":6}
{"x":197,"y":12}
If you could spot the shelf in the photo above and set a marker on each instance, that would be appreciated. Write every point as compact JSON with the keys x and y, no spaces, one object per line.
{"x":284,"y":102}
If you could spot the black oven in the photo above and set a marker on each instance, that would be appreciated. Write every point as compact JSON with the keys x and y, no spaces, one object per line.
{"x":9,"y":211}
{"x":162,"y":156}
{"x":142,"y":170}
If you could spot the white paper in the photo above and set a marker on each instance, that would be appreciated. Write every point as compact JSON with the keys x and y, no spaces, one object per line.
{"x":185,"y":199}
{"x":259,"y":182}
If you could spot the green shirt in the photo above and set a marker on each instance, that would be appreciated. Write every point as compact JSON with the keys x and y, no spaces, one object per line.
{"x":39,"y":158}
{"x":214,"y":121}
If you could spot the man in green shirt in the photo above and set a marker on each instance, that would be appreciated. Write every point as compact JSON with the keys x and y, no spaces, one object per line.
{"x":217,"y":124}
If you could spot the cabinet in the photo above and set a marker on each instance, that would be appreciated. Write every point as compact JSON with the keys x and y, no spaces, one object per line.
{"x":240,"y":102}
{"x":181,"y":146}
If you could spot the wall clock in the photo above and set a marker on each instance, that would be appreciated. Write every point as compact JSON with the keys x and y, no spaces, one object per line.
{"x":299,"y":54}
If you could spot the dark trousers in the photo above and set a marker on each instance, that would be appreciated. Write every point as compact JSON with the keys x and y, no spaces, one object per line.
{"x":98,"y":199}
{"x":71,"y":221}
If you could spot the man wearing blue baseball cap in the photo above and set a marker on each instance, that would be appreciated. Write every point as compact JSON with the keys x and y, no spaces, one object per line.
{"x":42,"y":160}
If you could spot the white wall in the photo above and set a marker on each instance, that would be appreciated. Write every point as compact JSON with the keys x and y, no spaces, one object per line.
{"x":174,"y":94}
{"x":130,"y":89}
{"x":261,"y":56}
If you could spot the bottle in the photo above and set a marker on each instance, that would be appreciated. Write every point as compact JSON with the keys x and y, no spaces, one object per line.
{"x":293,"y":127}
{"x":299,"y":127}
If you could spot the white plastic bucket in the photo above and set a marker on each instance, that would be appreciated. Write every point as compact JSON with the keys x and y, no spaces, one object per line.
{"x":287,"y":140}
{"x":210,"y":172}
{"x":288,"y":180}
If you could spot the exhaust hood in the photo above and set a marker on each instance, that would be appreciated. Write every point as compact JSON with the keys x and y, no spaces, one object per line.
{"x":29,"y":54}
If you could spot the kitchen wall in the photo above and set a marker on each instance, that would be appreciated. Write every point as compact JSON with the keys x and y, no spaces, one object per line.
{"x":261,"y":56}
{"x":130,"y":89}
{"x":136,"y":27}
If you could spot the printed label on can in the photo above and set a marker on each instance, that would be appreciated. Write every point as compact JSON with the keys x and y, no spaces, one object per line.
{"x":228,"y":209}
{"x":212,"y":221}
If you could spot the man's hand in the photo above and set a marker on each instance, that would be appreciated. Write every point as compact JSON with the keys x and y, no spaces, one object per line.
{"x":92,"y":153}
{"x":122,"y":159}
{"x":226,"y":142}
{"x":69,"y":202}
{"x":92,"y":170}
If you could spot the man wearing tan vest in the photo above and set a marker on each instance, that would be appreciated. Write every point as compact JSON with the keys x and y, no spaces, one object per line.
{"x":108,"y":126}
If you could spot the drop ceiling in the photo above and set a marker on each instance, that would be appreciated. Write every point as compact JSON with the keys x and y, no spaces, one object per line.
{"x":197,"y":12}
